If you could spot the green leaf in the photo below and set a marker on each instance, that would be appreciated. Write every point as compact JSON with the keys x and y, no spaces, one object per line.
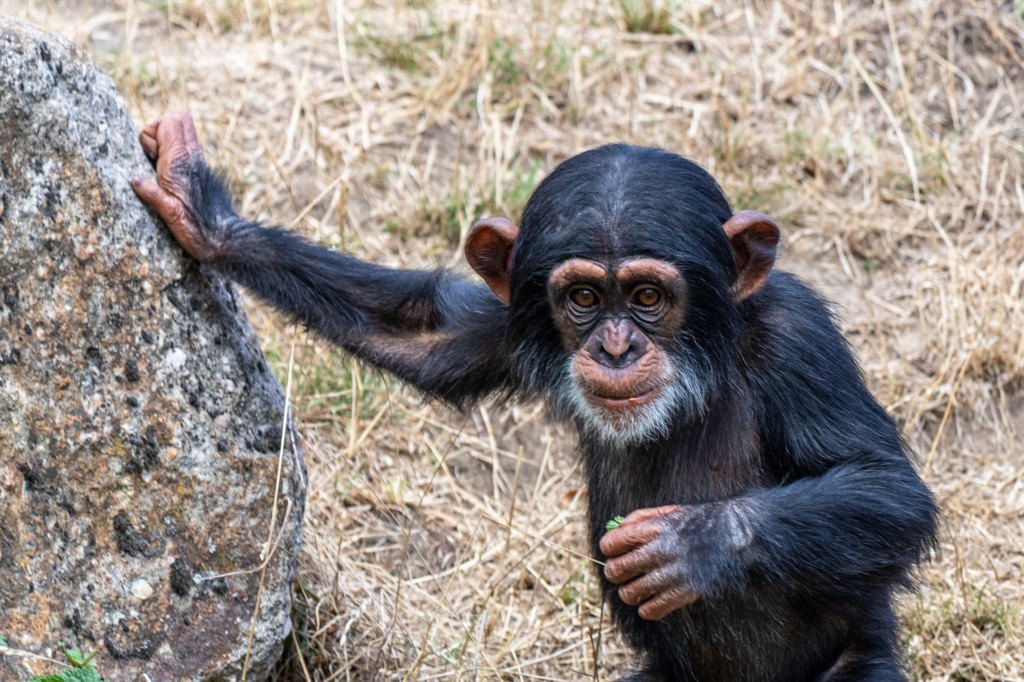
{"x":88,"y":674}
{"x":614,"y":523}
{"x":81,"y":669}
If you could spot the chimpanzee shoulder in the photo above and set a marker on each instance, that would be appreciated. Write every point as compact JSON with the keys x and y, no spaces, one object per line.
{"x":814,"y":407}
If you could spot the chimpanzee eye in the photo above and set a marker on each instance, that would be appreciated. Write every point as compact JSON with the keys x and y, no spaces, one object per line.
{"x":646,"y":297}
{"x":584,"y":297}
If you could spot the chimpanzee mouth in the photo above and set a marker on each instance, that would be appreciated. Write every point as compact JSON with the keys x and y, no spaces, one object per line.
{"x":625,"y":403}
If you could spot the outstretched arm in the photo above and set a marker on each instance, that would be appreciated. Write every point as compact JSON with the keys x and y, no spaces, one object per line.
{"x":435,"y":330}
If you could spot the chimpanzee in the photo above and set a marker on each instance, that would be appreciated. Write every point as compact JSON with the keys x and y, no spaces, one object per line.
{"x":771,"y":511}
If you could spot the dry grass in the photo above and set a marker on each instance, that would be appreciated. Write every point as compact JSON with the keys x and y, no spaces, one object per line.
{"x":887,"y":137}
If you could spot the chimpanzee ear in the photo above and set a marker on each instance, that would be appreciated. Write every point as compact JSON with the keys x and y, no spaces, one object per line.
{"x":489,"y":252}
{"x":754,"y":237}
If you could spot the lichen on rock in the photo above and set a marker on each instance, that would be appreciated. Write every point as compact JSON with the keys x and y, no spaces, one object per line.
{"x":139,"y":423}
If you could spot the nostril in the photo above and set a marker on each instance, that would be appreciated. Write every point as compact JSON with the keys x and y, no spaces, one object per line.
{"x":617,"y":345}
{"x":614,"y":352}
{"x":618,"y":356}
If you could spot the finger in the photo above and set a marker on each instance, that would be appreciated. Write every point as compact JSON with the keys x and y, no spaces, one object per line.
{"x":628,"y":566}
{"x":643,"y":588}
{"x":152,"y":129}
{"x":166,"y":206}
{"x":191,"y":137}
{"x":167,"y":131}
{"x":649,"y":513}
{"x":666,"y":602}
{"x":185,"y":130}
{"x":627,"y":538}
{"x":149,"y":145}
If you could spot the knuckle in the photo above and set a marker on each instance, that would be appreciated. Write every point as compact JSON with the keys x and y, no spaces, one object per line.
{"x":648,"y":557}
{"x":650,"y":612}
{"x":657,"y":579}
{"x":151,"y":194}
{"x":641,"y":590}
{"x":176,"y":213}
{"x":629,"y":596}
{"x":659,"y":549}
{"x":682,"y":596}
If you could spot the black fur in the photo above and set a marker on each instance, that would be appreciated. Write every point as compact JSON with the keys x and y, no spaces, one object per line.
{"x":789,"y":434}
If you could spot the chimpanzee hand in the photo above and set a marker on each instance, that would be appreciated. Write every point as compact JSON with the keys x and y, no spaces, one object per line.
{"x":665,"y":558}
{"x":171,"y":142}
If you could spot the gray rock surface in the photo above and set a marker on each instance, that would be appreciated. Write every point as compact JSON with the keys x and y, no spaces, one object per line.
{"x":139,"y":424}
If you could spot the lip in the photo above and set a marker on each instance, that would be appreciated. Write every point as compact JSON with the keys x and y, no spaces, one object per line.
{"x":628,"y":402}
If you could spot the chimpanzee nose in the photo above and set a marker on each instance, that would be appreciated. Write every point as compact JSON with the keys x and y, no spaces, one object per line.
{"x":618,"y":345}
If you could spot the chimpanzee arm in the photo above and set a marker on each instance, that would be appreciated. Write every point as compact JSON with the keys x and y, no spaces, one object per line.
{"x":859,"y":526}
{"x":853,"y":509}
{"x":849,"y":512}
{"x":434,"y":330}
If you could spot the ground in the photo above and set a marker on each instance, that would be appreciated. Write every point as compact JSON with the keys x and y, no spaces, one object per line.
{"x":886,"y":137}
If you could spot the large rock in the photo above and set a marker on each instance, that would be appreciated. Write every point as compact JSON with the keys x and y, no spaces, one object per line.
{"x":139,"y":424}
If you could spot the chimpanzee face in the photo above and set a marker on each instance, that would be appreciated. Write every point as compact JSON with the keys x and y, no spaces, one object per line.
{"x":617,"y":320}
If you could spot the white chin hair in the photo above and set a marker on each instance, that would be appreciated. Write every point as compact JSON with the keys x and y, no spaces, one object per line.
{"x":639,"y":423}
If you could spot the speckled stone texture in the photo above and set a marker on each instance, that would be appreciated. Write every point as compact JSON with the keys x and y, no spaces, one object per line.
{"x":139,"y":424}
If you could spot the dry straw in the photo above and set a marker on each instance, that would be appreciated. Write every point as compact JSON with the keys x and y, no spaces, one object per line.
{"x":887,"y":137}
